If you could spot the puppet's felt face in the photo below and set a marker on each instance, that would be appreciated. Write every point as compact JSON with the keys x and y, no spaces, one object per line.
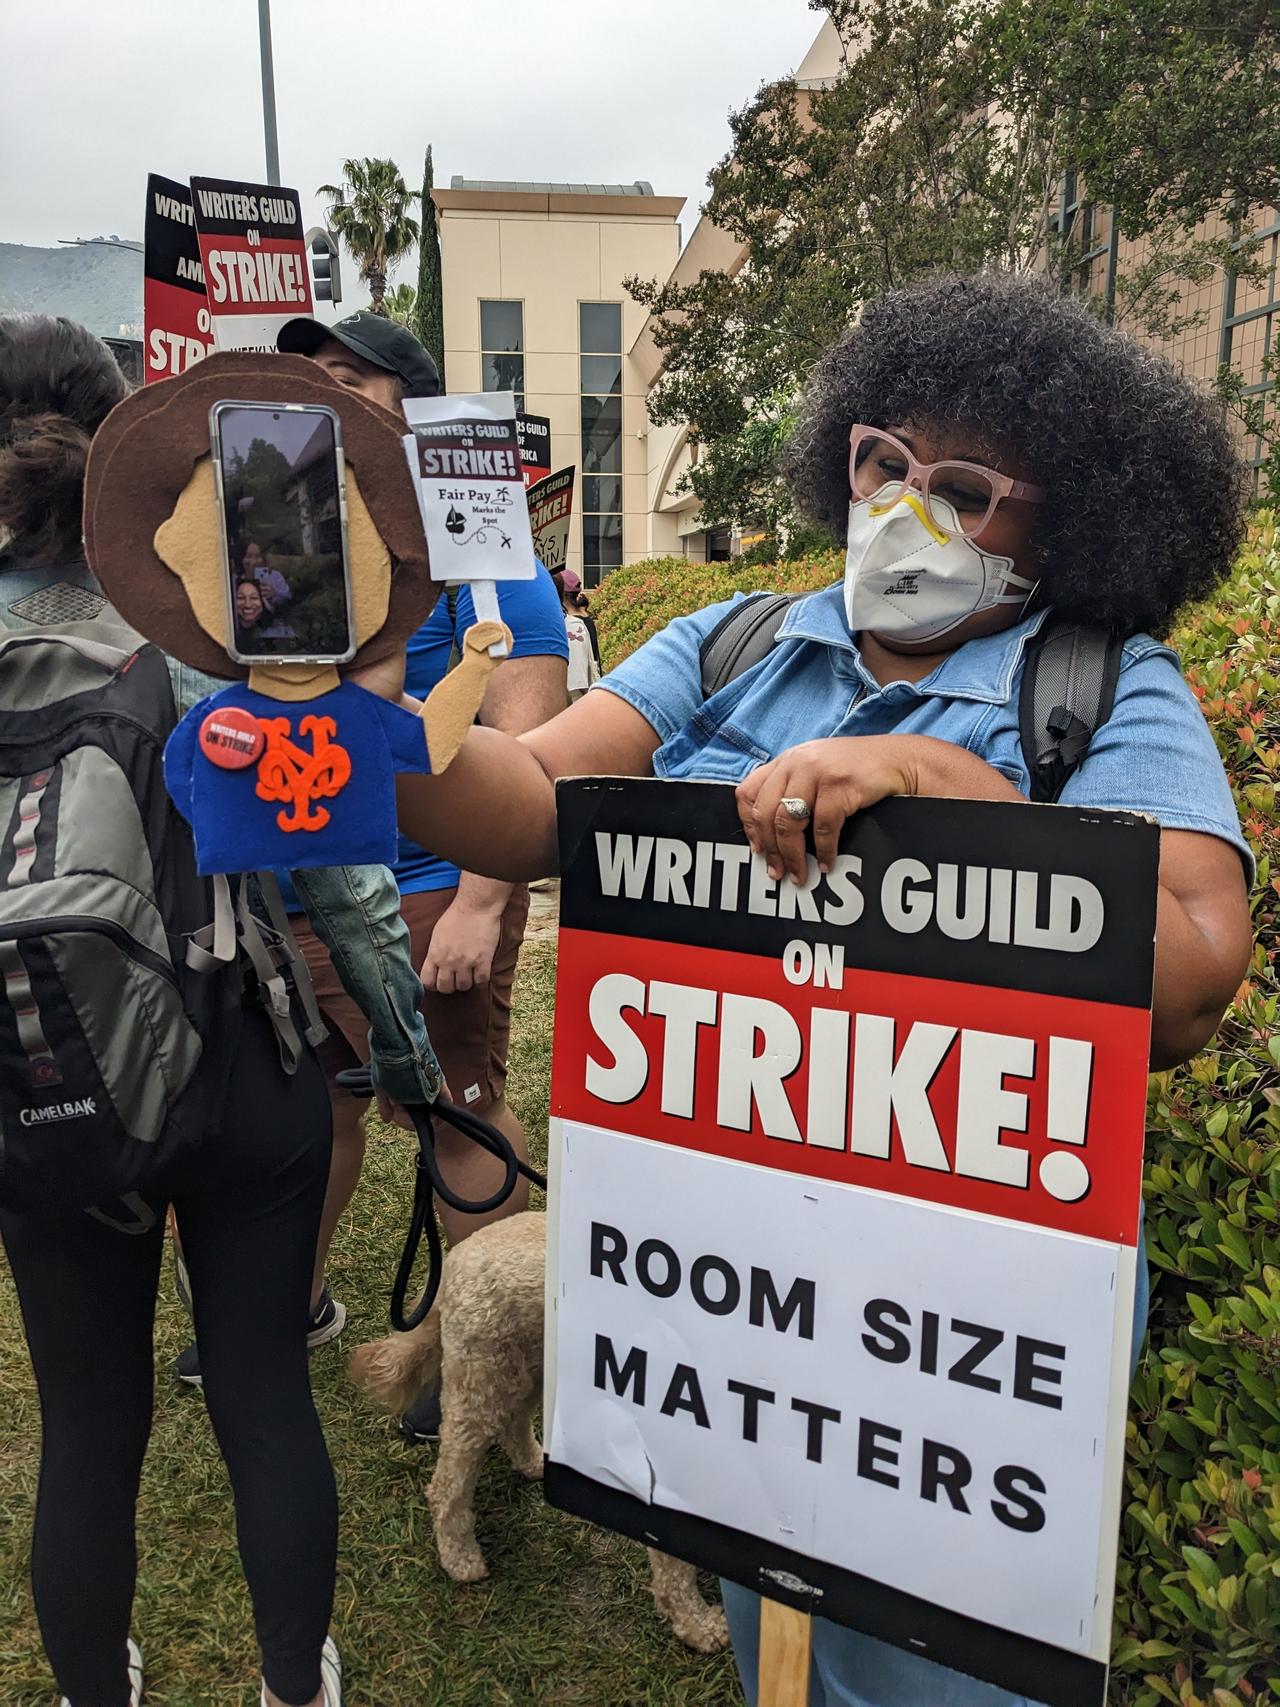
{"x":151,"y":520}
{"x":188,"y":544}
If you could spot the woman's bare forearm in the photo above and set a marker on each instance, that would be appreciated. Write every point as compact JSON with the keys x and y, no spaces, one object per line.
{"x":492,"y":812}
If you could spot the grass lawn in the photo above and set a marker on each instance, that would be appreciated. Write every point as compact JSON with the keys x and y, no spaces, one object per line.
{"x":565,"y":1618}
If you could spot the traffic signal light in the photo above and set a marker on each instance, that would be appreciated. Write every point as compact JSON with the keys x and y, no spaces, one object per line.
{"x":325,"y":269}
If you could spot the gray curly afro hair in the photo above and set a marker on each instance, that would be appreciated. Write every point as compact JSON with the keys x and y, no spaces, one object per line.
{"x":1144,"y":490}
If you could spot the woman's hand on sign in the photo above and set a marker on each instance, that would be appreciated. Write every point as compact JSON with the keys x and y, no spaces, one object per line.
{"x":835,"y":778}
{"x":842,"y":775}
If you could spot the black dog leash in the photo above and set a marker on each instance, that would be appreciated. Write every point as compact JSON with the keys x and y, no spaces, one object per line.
{"x":429,"y":1184}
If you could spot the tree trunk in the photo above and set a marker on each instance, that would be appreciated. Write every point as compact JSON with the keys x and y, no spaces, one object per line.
{"x":377,"y":280}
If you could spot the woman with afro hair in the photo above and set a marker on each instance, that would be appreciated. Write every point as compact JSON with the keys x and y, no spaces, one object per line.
{"x":993,"y":457}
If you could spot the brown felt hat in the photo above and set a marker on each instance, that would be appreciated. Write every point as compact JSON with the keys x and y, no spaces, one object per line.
{"x":146,"y":453}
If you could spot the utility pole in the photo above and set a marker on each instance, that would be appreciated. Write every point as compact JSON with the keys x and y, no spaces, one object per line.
{"x":268,"y":92}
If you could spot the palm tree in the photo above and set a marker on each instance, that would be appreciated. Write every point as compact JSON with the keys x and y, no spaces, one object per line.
{"x":400,"y":305}
{"x":370,"y":212}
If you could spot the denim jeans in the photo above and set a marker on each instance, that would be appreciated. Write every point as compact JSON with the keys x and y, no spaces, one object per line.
{"x":355,"y":911}
{"x":852,"y":1670}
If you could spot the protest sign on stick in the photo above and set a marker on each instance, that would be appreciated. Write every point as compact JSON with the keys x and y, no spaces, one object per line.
{"x":534,"y":434}
{"x":254,"y":256}
{"x":177,"y":329}
{"x":845,"y":1197}
{"x":550,"y":513}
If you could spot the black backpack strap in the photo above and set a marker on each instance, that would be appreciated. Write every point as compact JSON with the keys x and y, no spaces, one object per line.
{"x":741,"y":638}
{"x":269,"y":888}
{"x":1069,"y":677}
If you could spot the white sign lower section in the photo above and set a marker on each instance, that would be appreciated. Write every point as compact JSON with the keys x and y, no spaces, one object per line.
{"x":250,"y":331}
{"x":908,"y":1392}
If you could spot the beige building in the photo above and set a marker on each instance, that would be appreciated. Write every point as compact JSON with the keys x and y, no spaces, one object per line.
{"x":534,"y":303}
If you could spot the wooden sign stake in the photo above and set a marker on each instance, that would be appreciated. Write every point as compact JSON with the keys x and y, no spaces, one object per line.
{"x":785,"y":1635}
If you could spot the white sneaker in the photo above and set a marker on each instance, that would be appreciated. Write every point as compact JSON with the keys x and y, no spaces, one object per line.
{"x":330,"y":1675}
{"x":135,"y":1677}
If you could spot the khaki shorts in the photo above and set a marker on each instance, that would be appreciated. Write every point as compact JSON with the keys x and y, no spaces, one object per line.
{"x":470,"y":1030}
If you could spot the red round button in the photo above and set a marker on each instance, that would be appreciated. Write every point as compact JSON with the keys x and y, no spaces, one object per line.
{"x":232,"y":739}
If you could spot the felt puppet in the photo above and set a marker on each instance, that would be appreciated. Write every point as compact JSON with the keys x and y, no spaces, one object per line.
{"x":292,"y":764}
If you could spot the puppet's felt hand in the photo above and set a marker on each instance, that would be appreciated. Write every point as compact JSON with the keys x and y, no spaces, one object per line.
{"x":453,"y":704}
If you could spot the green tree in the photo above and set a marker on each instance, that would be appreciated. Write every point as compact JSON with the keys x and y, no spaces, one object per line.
{"x":429,"y":318}
{"x":401,"y":305}
{"x":942,"y":143}
{"x":369,"y":210}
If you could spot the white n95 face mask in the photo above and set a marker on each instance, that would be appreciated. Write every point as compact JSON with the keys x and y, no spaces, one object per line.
{"x":905,"y":579}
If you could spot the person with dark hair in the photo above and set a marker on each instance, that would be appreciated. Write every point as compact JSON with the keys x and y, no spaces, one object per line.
{"x":249,"y":1198}
{"x":249,"y":561}
{"x":994,"y":459}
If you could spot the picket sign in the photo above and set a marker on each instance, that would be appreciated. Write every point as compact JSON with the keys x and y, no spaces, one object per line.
{"x":845,"y":1184}
{"x":254,"y":258}
{"x":176,"y":323}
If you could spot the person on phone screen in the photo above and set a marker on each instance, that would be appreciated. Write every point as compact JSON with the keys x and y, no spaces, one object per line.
{"x":274,"y":593}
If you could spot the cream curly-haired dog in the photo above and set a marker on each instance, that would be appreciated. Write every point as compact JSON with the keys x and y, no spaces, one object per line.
{"x":483,"y":1338}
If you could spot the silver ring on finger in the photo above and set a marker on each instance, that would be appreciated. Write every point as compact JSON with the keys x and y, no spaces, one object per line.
{"x":800,"y":810}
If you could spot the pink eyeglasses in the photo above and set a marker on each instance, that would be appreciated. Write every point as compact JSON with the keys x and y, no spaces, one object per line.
{"x":881,"y":467}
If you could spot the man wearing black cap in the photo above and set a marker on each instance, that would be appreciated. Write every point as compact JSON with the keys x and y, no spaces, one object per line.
{"x":466,"y":931}
{"x":367,"y":353}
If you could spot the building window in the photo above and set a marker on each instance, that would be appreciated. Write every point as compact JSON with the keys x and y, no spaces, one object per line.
{"x":600,"y":389}
{"x":1249,"y":336}
{"x":502,"y":348}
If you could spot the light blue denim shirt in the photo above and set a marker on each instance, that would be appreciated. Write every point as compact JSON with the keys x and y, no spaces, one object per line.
{"x":1154,"y":754}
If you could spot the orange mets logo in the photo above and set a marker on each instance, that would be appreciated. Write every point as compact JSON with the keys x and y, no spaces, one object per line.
{"x":287,"y":772}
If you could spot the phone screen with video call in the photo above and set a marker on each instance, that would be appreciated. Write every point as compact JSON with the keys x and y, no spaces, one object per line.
{"x":282,"y":498}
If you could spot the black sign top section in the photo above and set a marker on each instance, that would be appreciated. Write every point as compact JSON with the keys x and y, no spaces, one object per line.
{"x":172,"y":250}
{"x":224,"y":207}
{"x":1052,"y":899}
{"x":468,"y":449}
{"x":535,"y":440}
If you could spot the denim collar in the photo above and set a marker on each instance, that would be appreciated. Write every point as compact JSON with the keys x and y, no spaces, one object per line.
{"x":981,"y":670}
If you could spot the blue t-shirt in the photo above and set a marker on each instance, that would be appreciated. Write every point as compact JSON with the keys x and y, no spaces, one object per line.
{"x":1154,"y":754}
{"x":322,"y":793}
{"x":533,"y":613}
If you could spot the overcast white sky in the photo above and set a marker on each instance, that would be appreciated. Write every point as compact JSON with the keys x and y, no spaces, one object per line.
{"x":100,"y":92}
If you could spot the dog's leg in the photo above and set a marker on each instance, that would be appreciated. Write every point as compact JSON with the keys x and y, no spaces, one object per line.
{"x":451,"y":1495}
{"x":695,"y":1621}
{"x":518,"y":1440}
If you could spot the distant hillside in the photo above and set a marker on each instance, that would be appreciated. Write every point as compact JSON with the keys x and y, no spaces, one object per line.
{"x":99,"y":285}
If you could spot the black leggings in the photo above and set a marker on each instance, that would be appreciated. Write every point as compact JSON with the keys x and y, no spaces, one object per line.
{"x":248,"y":1204}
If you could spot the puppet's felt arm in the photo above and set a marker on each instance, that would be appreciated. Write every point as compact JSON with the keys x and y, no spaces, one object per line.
{"x":451,"y":707}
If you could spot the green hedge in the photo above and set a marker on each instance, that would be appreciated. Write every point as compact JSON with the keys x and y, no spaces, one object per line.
{"x":1198,"y":1593}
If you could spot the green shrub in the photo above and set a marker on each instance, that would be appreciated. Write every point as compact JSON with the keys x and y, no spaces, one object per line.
{"x":1198,"y":1599}
{"x":635,"y":602}
{"x":1197,"y":1615}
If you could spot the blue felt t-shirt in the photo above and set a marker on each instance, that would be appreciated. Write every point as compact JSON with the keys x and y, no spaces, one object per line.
{"x":533,"y":613}
{"x":340,"y":811}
